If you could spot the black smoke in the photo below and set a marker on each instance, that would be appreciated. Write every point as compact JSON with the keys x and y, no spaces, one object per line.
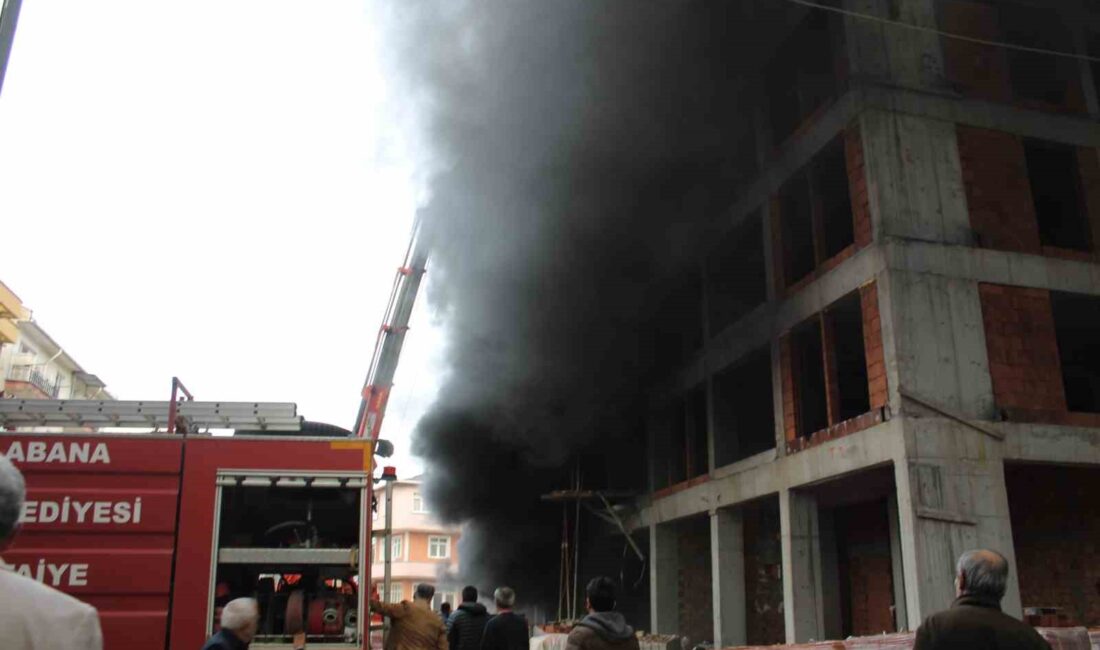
{"x":582,"y":151}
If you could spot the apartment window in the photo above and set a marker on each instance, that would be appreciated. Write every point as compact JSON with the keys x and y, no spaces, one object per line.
{"x":815,"y":213}
{"x":439,"y":547}
{"x":735,"y":275}
{"x":396,"y":546}
{"x":829,"y":367}
{"x":1034,"y":76}
{"x":744,"y":413}
{"x":1076,"y":322}
{"x":678,"y":332}
{"x":681,"y":452}
{"x":418,"y":504}
{"x":808,"y":368}
{"x":1056,"y":191}
{"x":803,"y":75}
{"x":397,"y":592}
{"x":845,"y":318}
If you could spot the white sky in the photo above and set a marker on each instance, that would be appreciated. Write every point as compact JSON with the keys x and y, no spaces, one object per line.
{"x":219,"y":190}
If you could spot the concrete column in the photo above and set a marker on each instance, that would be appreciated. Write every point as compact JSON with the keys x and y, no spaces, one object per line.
{"x":947,"y":506}
{"x":893,"y":54}
{"x":832,"y":616}
{"x":914,"y":178}
{"x":802,"y":598}
{"x":901,"y":618}
{"x":727,"y":564}
{"x":664,"y":587}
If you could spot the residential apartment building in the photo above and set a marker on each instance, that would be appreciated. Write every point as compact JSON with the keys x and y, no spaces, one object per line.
{"x":893,"y":353}
{"x":33,"y":365}
{"x":423,"y":549}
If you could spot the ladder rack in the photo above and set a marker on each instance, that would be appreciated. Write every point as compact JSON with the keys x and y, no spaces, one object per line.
{"x":253,"y":416}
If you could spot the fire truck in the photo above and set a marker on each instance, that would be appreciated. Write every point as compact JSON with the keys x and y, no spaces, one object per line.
{"x":157,"y":513}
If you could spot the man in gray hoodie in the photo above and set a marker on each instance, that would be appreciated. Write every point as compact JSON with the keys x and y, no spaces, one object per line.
{"x":603,"y":628}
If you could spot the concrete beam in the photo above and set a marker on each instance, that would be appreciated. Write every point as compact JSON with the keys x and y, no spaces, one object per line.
{"x":872,"y":447}
{"x":727,"y":548}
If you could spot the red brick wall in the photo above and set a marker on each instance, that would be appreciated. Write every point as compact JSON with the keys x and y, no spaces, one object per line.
{"x":872,"y":345}
{"x":1023,"y":348}
{"x":975,"y":69}
{"x":998,"y":191}
{"x":1056,"y":533}
{"x":786,"y":373}
{"x":695,"y":580}
{"x":857,"y":184}
{"x":863,"y":533}
{"x":763,"y":574}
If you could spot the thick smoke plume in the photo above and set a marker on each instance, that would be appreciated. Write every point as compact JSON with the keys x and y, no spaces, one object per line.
{"x":579,"y":147}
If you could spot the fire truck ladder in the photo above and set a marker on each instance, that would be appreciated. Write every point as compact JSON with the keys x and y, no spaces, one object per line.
{"x":170,"y":416}
{"x":379,"y":381}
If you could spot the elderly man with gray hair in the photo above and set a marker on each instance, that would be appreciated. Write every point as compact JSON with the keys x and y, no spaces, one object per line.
{"x":239,"y":622}
{"x":975,"y":619}
{"x":34,"y":616}
{"x":507,"y":630}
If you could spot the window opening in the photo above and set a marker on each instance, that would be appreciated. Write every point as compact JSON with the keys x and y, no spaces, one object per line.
{"x":439,"y":548}
{"x":736,"y":275}
{"x":744,"y":413}
{"x":1035,"y":76}
{"x":418,"y":504}
{"x":796,"y":223}
{"x":809,"y":377}
{"x":846,"y":321}
{"x":396,"y":547}
{"x":831,"y":187}
{"x":1076,"y":322}
{"x":802,"y":76}
{"x":1056,"y":193}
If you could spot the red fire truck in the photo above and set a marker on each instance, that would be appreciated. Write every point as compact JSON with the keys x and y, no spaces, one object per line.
{"x":158,"y":529}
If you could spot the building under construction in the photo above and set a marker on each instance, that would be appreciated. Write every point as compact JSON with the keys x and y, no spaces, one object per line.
{"x":895,"y":357}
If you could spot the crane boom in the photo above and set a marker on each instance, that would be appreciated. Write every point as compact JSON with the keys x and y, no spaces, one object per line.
{"x":391,"y":336}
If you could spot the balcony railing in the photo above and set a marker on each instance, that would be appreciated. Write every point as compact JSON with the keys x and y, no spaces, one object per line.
{"x":34,"y":376}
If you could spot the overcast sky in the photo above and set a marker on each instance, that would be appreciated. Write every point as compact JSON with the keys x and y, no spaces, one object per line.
{"x":213,"y":189}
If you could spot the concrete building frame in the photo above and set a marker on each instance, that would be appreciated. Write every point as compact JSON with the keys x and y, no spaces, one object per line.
{"x":943,"y":434}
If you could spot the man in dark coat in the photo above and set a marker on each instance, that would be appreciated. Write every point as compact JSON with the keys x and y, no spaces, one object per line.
{"x":467,"y":622}
{"x":507,"y":630}
{"x":603,"y":628}
{"x":975,"y":620}
{"x":240,"y":621}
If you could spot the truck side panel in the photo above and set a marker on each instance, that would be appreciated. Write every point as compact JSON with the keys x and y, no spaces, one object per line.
{"x":99,"y":524}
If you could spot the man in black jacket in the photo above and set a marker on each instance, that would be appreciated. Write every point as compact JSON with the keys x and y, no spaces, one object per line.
{"x":975,"y":620}
{"x":468,"y":622}
{"x":507,"y":630}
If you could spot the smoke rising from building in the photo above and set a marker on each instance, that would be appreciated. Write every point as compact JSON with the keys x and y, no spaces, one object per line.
{"x":575,"y":145}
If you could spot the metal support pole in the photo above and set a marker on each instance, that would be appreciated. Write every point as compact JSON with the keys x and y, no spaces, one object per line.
{"x":387,"y":554}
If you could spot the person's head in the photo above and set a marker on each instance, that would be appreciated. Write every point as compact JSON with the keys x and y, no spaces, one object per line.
{"x":12,"y":492}
{"x":469,"y":594}
{"x":242,"y":617}
{"x":424,"y":592}
{"x":505,"y":597}
{"x":981,"y":573}
{"x":445,"y":608}
{"x":600,"y":594}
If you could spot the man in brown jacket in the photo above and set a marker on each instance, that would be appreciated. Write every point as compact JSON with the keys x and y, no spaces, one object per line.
{"x":603,"y":628}
{"x":414,"y":626}
{"x":975,"y":620}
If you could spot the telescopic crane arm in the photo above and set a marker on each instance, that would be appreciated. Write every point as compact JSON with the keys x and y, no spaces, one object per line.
{"x":391,"y":336}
